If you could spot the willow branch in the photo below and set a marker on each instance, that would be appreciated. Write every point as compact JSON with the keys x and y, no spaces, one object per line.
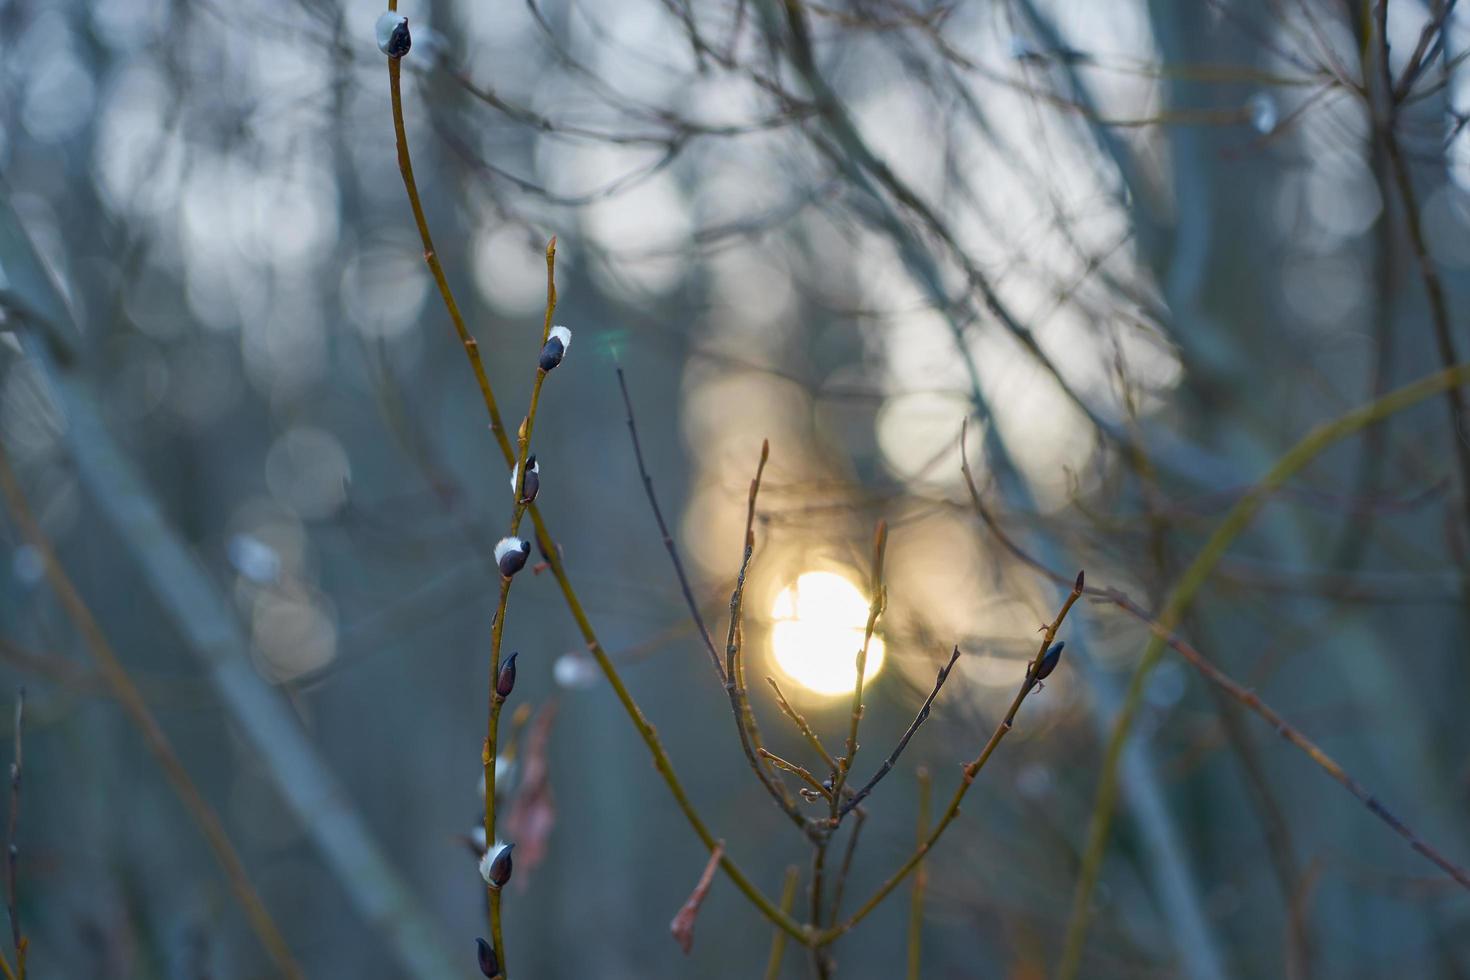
{"x":523,"y":441}
{"x":488,"y":752}
{"x":554,"y":560}
{"x":497,"y":627}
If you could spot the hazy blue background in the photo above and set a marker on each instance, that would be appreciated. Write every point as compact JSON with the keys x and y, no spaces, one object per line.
{"x":1188,"y":206}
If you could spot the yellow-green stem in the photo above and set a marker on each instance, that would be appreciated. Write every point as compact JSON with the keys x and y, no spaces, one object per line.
{"x":497,"y":937}
{"x":662,"y":764}
{"x":778,"y":941}
{"x":916,"y":905}
{"x":524,"y":437}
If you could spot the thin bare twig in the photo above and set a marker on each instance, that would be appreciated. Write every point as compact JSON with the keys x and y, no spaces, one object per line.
{"x":903,"y":742}
{"x":497,"y":625}
{"x":876,"y":601}
{"x":1439,"y":309}
{"x":801,"y":725}
{"x":646,"y":732}
{"x":839,"y":885}
{"x":668,"y":538}
{"x":799,"y":771}
{"x":745,"y":726}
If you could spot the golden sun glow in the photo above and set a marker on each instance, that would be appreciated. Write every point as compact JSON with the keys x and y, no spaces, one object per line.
{"x":818,"y":630}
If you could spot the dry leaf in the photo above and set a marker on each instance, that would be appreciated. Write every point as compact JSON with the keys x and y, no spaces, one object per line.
{"x":683,"y":925}
{"x":533,"y":813}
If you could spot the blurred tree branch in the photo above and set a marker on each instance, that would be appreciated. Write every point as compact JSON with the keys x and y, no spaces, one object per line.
{"x":203,"y":619}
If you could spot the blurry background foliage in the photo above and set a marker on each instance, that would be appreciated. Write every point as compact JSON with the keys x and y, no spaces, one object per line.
{"x":1143,"y":246}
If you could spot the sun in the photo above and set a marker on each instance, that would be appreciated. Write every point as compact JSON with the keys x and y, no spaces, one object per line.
{"x":818,"y":629}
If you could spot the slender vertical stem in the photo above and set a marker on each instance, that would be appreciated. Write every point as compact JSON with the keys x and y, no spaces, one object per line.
{"x":431,"y":257}
{"x":745,"y":725}
{"x":12,"y":852}
{"x":523,"y":440}
{"x":497,"y":627}
{"x":821,"y":964}
{"x":488,"y":754}
{"x":646,"y":732}
{"x":497,"y":937}
{"x":877,"y":599}
{"x":919,"y":719}
{"x":666,"y":534}
{"x":1439,"y":311}
{"x":778,"y":940}
{"x":916,"y":903}
{"x":840,"y":884}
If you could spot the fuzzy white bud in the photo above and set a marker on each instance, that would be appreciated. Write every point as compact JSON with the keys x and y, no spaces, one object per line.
{"x":533,"y":479}
{"x":495,"y":866}
{"x":392,"y":33}
{"x":511,"y":554}
{"x":558,"y":342}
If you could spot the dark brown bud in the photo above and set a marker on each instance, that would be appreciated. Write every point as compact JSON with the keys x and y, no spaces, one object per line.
{"x":511,"y":554}
{"x":489,"y":962}
{"x":1081,"y":580}
{"x":501,"y":867}
{"x":532,"y":483}
{"x":506,"y":682}
{"x":1050,"y":660}
{"x":556,"y":348}
{"x":393,"y":36}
